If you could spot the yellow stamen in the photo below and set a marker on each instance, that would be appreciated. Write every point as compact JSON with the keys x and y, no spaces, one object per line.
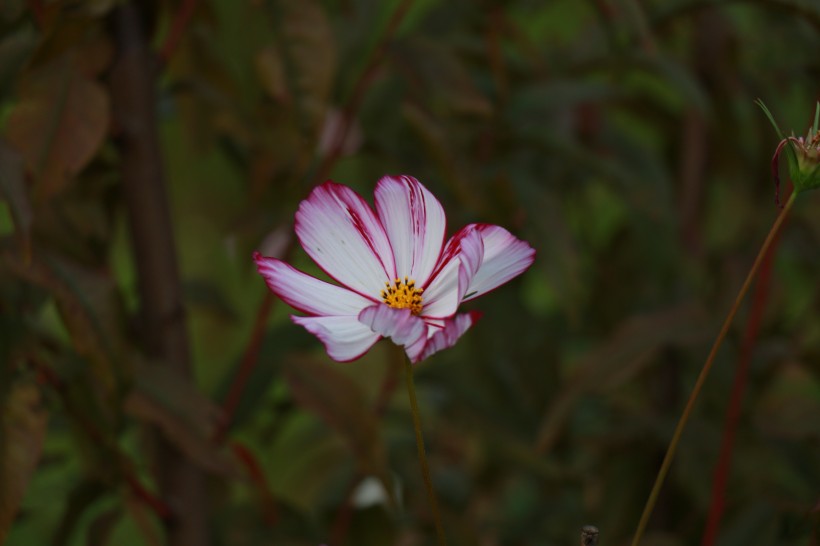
{"x":403,"y":294}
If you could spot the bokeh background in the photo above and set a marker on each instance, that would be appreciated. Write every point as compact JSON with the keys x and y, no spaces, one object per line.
{"x":154,"y":393}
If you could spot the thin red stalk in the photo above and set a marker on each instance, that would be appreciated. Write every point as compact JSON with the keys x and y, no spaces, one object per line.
{"x":724,"y":463}
{"x":37,"y":11}
{"x":704,"y":372}
{"x":180,"y":23}
{"x":249,"y":359}
{"x":260,"y":481}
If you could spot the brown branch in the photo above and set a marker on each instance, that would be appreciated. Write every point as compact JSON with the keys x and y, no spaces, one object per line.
{"x":133,"y":97}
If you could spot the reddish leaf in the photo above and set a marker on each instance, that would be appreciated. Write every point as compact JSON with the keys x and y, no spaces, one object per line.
{"x":319,"y":387}
{"x":58,"y":124}
{"x":23,"y":432}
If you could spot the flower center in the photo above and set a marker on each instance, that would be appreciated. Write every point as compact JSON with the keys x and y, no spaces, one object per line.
{"x":403,"y":294}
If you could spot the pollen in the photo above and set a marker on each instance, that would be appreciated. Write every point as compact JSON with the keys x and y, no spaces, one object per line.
{"x":403,"y":294}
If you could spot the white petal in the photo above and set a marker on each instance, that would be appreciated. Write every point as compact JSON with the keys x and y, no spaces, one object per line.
{"x":345,"y":338}
{"x":454,"y":274}
{"x":447,"y":336}
{"x":342,"y":234}
{"x":400,"y":325}
{"x":308,"y":294}
{"x":415,"y":224}
{"x":505,"y":257}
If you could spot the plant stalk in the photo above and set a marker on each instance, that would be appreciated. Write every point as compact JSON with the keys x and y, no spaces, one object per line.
{"x":704,"y":372}
{"x":425,"y":469}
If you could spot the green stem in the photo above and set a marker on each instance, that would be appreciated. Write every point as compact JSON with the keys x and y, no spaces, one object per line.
{"x":690,"y":404}
{"x":425,"y":470}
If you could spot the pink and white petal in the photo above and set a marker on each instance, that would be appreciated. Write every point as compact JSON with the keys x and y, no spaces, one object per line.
{"x":447,"y":336}
{"x":470,"y":257}
{"x":308,"y":294}
{"x":505,"y":257}
{"x":344,"y":338}
{"x":342,"y":234}
{"x":400,"y":325}
{"x":454,"y":273}
{"x":415,"y":224}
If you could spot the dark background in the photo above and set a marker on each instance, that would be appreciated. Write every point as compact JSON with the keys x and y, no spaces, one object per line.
{"x":153,"y":392}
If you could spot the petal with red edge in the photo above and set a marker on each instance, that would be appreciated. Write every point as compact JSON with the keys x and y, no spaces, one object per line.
{"x":454,"y":274}
{"x":415,"y":223}
{"x":342,"y":234}
{"x":447,"y":336}
{"x":505,"y":257}
{"x":400,"y":325}
{"x":344,"y":338}
{"x":308,"y":294}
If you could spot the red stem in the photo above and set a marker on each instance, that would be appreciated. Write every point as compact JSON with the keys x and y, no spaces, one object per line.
{"x":180,"y":23}
{"x":37,"y":11}
{"x":724,"y":463}
{"x":249,"y":360}
{"x":259,"y":480}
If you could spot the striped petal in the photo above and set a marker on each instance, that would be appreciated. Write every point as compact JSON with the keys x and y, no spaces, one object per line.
{"x":449,"y":334}
{"x":308,"y":294}
{"x":505,"y":257}
{"x":454,"y":274}
{"x":342,"y":234}
{"x":415,"y":224}
{"x":344,"y":338}
{"x":400,"y":325}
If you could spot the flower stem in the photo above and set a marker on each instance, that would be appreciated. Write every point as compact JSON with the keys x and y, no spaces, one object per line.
{"x":673,"y":443}
{"x":425,"y":469}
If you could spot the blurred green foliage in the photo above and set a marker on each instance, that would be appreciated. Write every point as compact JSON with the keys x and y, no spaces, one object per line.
{"x":620,"y":138}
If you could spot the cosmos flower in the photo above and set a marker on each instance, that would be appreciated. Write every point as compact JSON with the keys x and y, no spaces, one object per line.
{"x":397,"y":277}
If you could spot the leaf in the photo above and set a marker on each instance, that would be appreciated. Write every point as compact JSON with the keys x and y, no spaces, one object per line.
{"x":445,"y":77}
{"x":619,"y":358}
{"x":321,"y":389}
{"x":15,"y":49}
{"x":309,"y":49}
{"x":187,"y":418}
{"x":58,"y":124}
{"x":271,"y":73}
{"x":13,"y":190}
{"x":23,"y":432}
